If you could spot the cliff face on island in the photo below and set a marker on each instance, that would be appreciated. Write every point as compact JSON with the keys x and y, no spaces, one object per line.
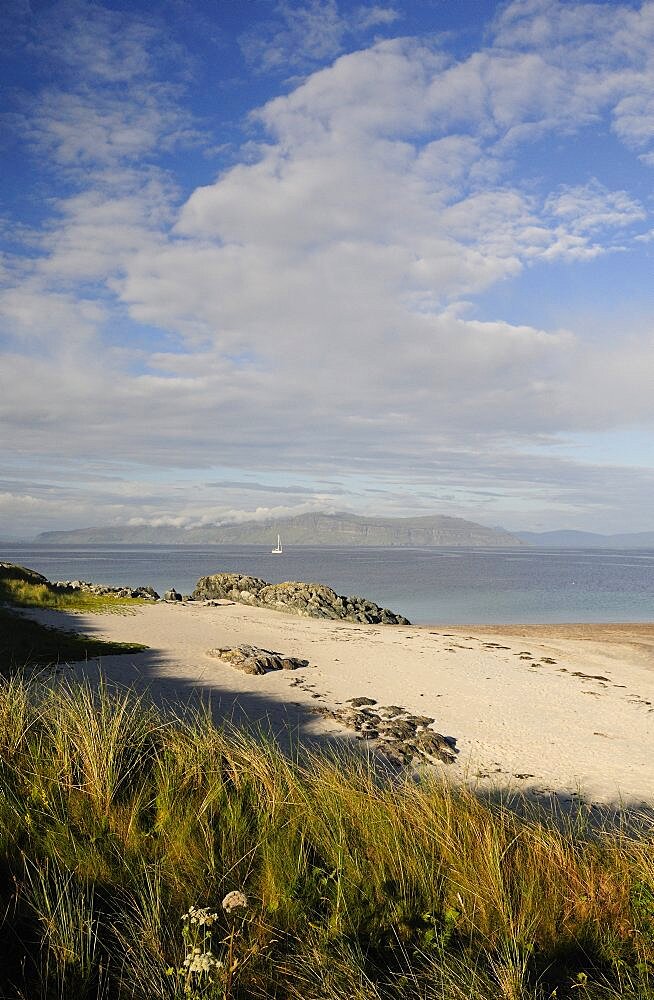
{"x":305,"y":529}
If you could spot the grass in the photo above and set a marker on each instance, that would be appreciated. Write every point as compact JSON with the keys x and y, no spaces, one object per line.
{"x":25,"y":643}
{"x":116,"y":818}
{"x":30,"y":594}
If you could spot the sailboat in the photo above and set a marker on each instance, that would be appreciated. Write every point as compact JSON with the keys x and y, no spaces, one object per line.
{"x":278,"y":548}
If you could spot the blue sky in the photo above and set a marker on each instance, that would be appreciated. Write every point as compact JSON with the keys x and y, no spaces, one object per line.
{"x":269,"y":257}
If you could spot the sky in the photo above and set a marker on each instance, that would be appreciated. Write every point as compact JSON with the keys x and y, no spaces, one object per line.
{"x":267,"y":257}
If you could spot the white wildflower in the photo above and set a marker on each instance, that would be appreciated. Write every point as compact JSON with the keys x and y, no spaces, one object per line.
{"x":234,"y":900}
{"x":202,"y":916}
{"x":201,"y":961}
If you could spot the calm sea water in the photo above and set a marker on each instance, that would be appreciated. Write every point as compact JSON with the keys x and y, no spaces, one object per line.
{"x":430,"y":586}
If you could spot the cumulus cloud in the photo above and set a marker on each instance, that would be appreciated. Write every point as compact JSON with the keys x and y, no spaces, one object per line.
{"x":313,"y":309}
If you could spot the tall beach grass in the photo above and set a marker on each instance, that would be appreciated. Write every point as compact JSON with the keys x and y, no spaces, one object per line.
{"x":123,"y":829}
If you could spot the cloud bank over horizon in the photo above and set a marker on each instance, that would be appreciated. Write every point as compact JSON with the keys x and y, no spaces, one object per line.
{"x":333,"y":251}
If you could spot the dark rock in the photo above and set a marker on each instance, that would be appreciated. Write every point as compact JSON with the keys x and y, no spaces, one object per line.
{"x":355,"y":720}
{"x":309,"y":600}
{"x":103,"y":590}
{"x":254,"y":660}
{"x":432,"y":744}
{"x":233,"y":586}
{"x":396,"y":754}
{"x":418,"y":720}
{"x":399,"y":729}
{"x":172,"y":595}
{"x":398,"y":736}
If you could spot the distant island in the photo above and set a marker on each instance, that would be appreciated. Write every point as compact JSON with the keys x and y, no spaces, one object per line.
{"x":587,"y":539}
{"x":304,"y":529}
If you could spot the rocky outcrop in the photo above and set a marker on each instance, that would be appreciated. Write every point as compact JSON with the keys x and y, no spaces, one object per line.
{"x":254,"y":660}
{"x":10,"y":571}
{"x":228,"y":586}
{"x":103,"y":590}
{"x":402,"y":738}
{"x":309,"y":600}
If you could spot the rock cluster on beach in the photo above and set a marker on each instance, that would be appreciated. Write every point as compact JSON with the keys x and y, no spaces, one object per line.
{"x":309,"y":600}
{"x":103,"y":590}
{"x":254,"y":660}
{"x":401,"y":737}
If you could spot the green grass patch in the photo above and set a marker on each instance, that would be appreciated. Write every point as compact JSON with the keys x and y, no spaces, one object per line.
{"x":31,"y":594}
{"x":26,"y":644}
{"x":117,"y":819}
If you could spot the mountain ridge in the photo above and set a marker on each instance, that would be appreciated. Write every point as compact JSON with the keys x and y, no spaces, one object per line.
{"x":436,"y":530}
{"x":573,"y":539}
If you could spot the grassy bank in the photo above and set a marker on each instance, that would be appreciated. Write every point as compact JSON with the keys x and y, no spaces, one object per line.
{"x":26,"y":644}
{"x":115,"y":820}
{"x":25,"y":589}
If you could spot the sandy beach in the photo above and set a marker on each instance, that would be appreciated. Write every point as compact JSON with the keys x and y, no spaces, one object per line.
{"x":559,"y":710}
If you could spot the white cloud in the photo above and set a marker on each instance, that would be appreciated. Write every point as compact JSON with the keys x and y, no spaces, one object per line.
{"x":84,"y":128}
{"x":590,"y":207}
{"x":305,"y":33}
{"x":96,"y":43}
{"x":314,"y":294}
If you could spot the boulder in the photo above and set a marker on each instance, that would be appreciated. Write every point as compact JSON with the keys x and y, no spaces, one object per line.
{"x":308,"y":600}
{"x":172,"y":595}
{"x":230,"y":586}
{"x":254,"y":660}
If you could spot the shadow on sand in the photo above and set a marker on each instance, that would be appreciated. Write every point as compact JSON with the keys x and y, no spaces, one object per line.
{"x":293,"y":727}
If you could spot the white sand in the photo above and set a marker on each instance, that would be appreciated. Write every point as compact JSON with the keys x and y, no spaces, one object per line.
{"x":516,"y":720}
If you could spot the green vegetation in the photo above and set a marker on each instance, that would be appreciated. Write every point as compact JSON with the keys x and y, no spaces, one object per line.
{"x":26,"y":589}
{"x":25,"y":643}
{"x":123,"y":830}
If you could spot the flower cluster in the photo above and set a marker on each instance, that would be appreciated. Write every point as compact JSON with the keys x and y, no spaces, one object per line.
{"x":201,"y":961}
{"x":202,"y":916}
{"x":234,"y":900}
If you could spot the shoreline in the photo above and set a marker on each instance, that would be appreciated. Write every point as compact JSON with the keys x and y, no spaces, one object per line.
{"x":560,"y":710}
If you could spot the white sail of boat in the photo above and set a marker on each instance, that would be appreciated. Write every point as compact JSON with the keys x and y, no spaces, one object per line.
{"x":278,"y":548}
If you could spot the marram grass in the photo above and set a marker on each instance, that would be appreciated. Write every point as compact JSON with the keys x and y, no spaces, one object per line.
{"x":30,"y":594}
{"x":149,"y":856}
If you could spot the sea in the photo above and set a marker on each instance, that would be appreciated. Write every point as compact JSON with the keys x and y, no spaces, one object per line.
{"x":427,"y":585}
